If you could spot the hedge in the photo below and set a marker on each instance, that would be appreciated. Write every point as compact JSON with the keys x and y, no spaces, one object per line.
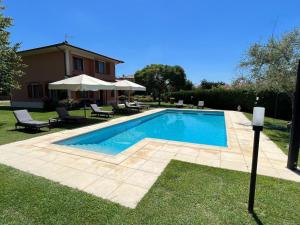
{"x":277,"y":105}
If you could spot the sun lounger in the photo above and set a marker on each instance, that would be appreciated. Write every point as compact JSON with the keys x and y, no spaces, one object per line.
{"x":138,"y":104}
{"x":25,"y":120}
{"x":200,"y":104}
{"x":120,"y":108}
{"x":128,"y":106}
{"x":179,"y":104}
{"x":98,"y":112}
{"x":64,"y":115}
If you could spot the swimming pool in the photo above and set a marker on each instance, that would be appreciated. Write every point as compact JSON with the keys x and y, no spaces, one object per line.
{"x":199,"y":127}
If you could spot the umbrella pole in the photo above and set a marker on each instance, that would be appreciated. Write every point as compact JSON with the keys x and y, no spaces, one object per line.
{"x":84,"y":107}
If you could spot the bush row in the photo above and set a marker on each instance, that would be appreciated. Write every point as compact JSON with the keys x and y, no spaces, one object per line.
{"x":277,"y":105}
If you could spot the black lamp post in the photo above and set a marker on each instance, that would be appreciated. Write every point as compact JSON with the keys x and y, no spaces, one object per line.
{"x":257,"y":123}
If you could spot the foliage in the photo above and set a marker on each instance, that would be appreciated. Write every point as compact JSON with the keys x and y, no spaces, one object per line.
{"x":188,"y":85}
{"x":205,"y":84}
{"x":8,"y":133}
{"x":277,"y":104}
{"x":142,"y":98}
{"x":159,"y":79}
{"x":273,"y":65}
{"x":11,"y":64}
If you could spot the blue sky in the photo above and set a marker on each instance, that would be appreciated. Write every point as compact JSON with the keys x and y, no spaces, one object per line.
{"x":207,"y":38}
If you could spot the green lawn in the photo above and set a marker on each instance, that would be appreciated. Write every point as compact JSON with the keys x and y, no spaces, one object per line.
{"x":9,"y":134}
{"x":184,"y":194}
{"x":277,"y":131}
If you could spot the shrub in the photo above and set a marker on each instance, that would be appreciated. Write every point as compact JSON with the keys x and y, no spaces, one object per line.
{"x":145,"y":98}
{"x":277,"y":105}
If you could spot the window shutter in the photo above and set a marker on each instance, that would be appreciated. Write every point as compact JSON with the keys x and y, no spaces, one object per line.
{"x":96,"y":67}
{"x":107,"y":68}
{"x":29,"y":90}
{"x":40,"y":90}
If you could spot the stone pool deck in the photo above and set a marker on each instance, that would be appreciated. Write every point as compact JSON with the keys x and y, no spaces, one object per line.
{"x":127,"y":177}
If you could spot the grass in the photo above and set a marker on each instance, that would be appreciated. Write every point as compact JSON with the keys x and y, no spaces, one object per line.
{"x":184,"y":194}
{"x":9,"y":134}
{"x":277,"y":131}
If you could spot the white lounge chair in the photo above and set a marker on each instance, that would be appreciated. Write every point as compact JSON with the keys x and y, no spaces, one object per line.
{"x":179,"y":104}
{"x":99,"y":112}
{"x":200,"y":104}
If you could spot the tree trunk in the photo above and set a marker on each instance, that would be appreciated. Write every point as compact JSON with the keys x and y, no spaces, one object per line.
{"x":292,"y":98}
{"x":159,"y":100}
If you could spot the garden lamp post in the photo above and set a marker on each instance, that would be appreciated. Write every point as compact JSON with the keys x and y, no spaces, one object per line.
{"x":257,"y":123}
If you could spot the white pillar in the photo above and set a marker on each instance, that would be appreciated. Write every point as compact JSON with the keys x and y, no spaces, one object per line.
{"x":116,"y":97}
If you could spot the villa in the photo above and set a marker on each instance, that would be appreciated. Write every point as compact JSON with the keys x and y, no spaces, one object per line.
{"x":55,"y":62}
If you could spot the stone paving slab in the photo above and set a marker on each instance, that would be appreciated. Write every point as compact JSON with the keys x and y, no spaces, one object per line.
{"x":126,"y":177}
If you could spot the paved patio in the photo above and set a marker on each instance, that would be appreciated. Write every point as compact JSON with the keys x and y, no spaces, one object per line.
{"x":127,"y":177}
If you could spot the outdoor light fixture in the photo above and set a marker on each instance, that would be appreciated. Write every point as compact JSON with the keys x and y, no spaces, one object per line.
{"x":257,"y":123}
{"x":258,"y":117}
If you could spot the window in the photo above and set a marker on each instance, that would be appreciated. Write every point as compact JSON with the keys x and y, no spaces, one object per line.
{"x":112,"y":94}
{"x":100,"y":67}
{"x":78,"y":64}
{"x":35,"y":90}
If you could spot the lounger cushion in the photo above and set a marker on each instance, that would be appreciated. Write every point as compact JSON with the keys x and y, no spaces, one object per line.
{"x":24,"y":119}
{"x":22,"y":115}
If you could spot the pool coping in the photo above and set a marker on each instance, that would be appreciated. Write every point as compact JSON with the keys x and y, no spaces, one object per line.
{"x":126,"y":179}
{"x":120,"y":157}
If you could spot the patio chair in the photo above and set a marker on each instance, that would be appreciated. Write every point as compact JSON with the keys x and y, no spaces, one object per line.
{"x":143,"y":106}
{"x":64,"y":115}
{"x":25,"y":120}
{"x":120,"y":108}
{"x":200,"y":104}
{"x":98,"y":112}
{"x":179,"y":104}
{"x":130,"y":107}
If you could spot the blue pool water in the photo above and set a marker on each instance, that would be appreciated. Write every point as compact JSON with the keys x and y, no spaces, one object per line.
{"x":186,"y":126}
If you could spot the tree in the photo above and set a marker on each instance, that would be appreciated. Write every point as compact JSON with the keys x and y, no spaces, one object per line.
{"x":188,"y":85}
{"x":273,"y":65}
{"x":11,"y":64}
{"x":159,"y":79}
{"x":211,"y":84}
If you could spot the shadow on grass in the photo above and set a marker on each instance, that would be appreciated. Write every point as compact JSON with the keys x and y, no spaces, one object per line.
{"x":5,"y":107}
{"x":67,"y":126}
{"x":271,"y":126}
{"x":2,"y":124}
{"x":256,"y":218}
{"x":279,"y":137}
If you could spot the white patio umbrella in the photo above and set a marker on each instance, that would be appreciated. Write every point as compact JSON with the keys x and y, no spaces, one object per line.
{"x":81,"y":82}
{"x":126,"y":85}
